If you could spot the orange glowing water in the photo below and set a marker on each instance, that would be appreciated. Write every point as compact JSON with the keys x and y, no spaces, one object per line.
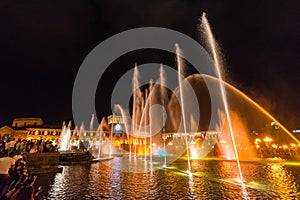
{"x":248,"y":99}
{"x":255,"y":105}
{"x":213,"y":46}
{"x":246,"y":149}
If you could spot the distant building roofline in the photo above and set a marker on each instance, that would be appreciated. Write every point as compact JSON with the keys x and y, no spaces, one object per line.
{"x":27,"y":118}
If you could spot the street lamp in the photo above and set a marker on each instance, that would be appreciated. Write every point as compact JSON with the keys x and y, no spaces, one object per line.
{"x":276,"y":128}
{"x":257,"y":141}
{"x":267,"y":140}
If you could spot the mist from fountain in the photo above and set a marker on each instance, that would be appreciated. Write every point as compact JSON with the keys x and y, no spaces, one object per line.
{"x":81,"y":131}
{"x":182,"y":103}
{"x":65,"y":138}
{"x":145,"y":124}
{"x":92,"y":122}
{"x":99,"y":133}
{"x":218,"y":67}
{"x":162,"y":82}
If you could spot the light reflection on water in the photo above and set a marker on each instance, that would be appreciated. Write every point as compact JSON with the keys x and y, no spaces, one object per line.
{"x":211,"y":179}
{"x":281,"y":180}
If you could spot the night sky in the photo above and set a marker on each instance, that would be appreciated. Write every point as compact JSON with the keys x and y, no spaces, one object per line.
{"x":43,"y":43}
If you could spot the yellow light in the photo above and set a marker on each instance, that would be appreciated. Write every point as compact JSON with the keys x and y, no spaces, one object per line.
{"x":222,"y":141}
{"x":257,"y":140}
{"x":293,"y":145}
{"x":267,"y":139}
{"x":275,"y":146}
{"x":257,"y":146}
{"x":285,"y":146}
{"x":292,"y":163}
{"x":275,"y":167}
{"x":263,"y":110}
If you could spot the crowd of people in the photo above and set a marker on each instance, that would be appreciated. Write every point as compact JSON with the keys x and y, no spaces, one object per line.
{"x":285,"y":153}
{"x":16,"y":181}
{"x":30,"y":146}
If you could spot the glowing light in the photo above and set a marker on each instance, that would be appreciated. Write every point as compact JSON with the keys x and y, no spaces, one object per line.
{"x":267,"y":139}
{"x":222,"y":141}
{"x":293,"y":145}
{"x":238,"y":180}
{"x":262,"y":110}
{"x":257,"y":140}
{"x":285,"y":146}
{"x":274,"y":146}
{"x":292,"y":163}
{"x":257,"y":146}
{"x":273,"y":123}
{"x":118,"y":127}
{"x":170,"y":144}
{"x":276,"y":167}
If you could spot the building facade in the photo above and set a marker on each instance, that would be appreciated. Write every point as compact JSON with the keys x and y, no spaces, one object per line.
{"x":30,"y":128}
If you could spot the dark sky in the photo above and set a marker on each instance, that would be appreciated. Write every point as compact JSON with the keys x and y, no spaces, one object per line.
{"x":43,"y":43}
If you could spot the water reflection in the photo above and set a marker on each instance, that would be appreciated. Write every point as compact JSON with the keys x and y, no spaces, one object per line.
{"x":282,"y":182}
{"x":210,"y":179}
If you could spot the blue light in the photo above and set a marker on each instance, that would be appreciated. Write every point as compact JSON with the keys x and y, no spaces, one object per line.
{"x":118,"y":127}
{"x":162,"y":153}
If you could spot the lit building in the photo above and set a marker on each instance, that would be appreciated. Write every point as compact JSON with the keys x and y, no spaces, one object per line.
{"x":45,"y":133}
{"x":30,"y":128}
{"x":116,"y":125}
{"x":34,"y":128}
{"x":6,"y":131}
{"x":27,"y":122}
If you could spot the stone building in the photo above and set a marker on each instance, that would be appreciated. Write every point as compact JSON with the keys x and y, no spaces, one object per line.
{"x":30,"y":128}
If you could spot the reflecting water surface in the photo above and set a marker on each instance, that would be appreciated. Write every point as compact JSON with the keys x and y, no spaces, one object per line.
{"x":210,"y":179}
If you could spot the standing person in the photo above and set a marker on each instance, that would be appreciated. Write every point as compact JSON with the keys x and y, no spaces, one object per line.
{"x":11,"y":146}
{"x":23,"y":146}
{"x":2,"y":148}
{"x":18,"y":145}
{"x":26,"y":194}
{"x":7,"y":146}
{"x":27,"y":191}
{"x":5,"y":164}
{"x":41,"y":146}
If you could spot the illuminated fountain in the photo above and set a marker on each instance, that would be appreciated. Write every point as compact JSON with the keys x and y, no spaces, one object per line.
{"x":65,"y":138}
{"x":162,"y":125}
{"x":142,"y":127}
{"x":249,"y":121}
{"x":154,"y":134}
{"x":218,"y":66}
